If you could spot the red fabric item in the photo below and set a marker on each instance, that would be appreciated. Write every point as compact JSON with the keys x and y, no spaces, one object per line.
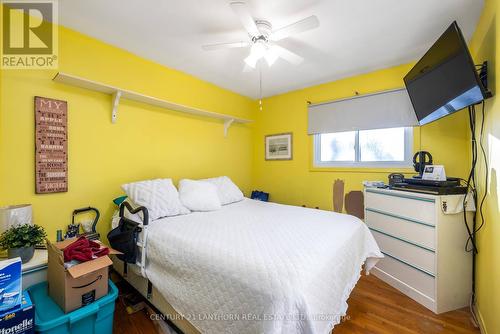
{"x":84,"y":250}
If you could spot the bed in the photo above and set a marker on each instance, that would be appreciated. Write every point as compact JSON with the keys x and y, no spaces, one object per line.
{"x":255,"y":267}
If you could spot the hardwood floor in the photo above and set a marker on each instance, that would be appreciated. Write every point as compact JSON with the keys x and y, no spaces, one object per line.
{"x":374,"y":308}
{"x":377,"y":308}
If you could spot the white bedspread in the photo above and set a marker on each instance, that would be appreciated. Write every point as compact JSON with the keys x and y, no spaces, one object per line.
{"x":255,"y":267}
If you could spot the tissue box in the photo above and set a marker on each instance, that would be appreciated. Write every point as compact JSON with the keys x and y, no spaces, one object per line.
{"x":10,"y":284}
{"x":20,"y":319}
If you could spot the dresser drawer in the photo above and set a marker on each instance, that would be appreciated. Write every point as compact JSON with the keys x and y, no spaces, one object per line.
{"x":407,"y":252}
{"x":418,"y":233}
{"x":416,"y":279}
{"x":400,"y":204}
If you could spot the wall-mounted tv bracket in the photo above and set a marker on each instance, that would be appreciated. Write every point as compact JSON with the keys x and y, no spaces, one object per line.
{"x":482,"y":71}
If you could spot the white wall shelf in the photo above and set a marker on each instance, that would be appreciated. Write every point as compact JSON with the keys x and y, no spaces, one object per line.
{"x":117,"y":94}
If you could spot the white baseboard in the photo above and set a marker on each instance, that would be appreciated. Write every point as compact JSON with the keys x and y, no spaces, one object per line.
{"x":480,"y":320}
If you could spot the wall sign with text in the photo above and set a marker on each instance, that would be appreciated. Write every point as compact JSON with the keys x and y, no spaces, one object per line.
{"x":51,"y":145}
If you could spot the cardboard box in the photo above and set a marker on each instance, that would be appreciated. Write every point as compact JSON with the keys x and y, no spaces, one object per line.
{"x":20,"y":319}
{"x":80,"y":284}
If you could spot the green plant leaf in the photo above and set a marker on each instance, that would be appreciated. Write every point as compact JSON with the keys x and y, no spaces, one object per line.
{"x":22,"y":236}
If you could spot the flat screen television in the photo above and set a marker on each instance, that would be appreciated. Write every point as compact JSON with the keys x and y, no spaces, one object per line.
{"x":445,"y":80}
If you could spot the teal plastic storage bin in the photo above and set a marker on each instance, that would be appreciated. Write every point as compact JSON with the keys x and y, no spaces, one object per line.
{"x":95,"y":318}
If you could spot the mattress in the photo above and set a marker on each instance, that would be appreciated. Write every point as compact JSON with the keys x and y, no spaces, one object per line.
{"x":257,"y":267}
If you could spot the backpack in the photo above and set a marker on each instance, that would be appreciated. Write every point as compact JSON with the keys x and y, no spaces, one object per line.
{"x":124,"y":237}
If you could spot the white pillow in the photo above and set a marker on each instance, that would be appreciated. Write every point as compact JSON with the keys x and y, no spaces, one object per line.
{"x":159,"y":196}
{"x":227,"y":191}
{"x":199,"y":195}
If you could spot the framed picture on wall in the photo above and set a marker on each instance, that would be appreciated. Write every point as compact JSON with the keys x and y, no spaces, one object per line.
{"x":279,"y":146}
{"x":51,"y":145}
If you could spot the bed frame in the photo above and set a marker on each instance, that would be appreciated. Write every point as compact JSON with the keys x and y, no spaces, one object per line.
{"x":144,"y":287}
{"x":135,"y":275}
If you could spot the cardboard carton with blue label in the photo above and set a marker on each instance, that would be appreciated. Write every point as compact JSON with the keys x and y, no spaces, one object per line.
{"x":19,"y":319}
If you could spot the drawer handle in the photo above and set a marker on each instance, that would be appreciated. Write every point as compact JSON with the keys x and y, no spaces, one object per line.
{"x":399,"y":217}
{"x":403,"y":240}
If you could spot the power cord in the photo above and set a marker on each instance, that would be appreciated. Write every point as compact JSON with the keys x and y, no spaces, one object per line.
{"x":471,"y":183}
{"x":487,"y":171}
{"x":471,"y":188}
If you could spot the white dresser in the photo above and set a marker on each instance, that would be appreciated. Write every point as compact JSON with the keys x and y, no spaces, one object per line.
{"x":35,"y":270}
{"x":423,"y":246}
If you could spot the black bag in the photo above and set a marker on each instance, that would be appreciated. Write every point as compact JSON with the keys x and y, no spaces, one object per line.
{"x":123,"y":238}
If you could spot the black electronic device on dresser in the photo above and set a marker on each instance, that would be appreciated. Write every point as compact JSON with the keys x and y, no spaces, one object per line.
{"x":395,"y":178}
{"x":422,"y":159}
{"x":431,"y":190}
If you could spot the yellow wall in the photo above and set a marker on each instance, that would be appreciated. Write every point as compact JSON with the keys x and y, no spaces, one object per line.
{"x":485,"y":47}
{"x":146,"y":142}
{"x":295,"y":182}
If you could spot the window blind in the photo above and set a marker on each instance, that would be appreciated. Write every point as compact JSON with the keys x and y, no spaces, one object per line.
{"x":388,"y":109}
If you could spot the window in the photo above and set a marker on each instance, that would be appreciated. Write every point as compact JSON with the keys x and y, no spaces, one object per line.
{"x":364,"y":148}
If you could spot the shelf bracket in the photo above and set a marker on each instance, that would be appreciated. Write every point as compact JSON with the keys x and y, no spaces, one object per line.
{"x":116,"y":101}
{"x":227,"y":124}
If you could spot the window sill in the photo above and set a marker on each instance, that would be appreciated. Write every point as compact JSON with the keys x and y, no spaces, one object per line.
{"x":360,"y":169}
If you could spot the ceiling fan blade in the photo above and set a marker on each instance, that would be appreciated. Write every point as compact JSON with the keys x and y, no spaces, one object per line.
{"x":287,"y":55}
{"x":219,"y":46}
{"x":241,"y":10}
{"x":308,"y":23}
{"x":247,"y":68}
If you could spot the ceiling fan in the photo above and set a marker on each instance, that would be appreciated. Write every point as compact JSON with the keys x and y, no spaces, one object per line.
{"x":263,"y":37}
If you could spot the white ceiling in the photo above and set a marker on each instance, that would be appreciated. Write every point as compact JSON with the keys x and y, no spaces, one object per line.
{"x":355,"y":36}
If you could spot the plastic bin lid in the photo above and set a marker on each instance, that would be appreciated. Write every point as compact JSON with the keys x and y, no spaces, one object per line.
{"x":49,"y":315}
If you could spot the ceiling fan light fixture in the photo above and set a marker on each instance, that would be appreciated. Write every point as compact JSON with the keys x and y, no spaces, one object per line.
{"x":262,"y":35}
{"x":258,"y":49}
{"x":257,"y":52}
{"x":271,"y":56}
{"x":251,"y":60}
